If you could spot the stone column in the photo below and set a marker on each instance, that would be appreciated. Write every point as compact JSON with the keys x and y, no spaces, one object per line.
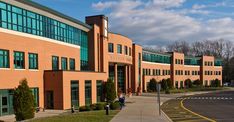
{"x":116,"y":77}
{"x":129,"y":77}
{"x":126,"y":78}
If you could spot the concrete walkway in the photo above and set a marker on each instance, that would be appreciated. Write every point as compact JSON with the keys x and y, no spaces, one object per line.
{"x":47,"y":113}
{"x":140,"y":109}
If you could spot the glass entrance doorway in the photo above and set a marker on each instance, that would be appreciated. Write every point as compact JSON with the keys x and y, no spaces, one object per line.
{"x":6,"y":102}
{"x":50,"y":99}
{"x":121,"y":78}
{"x":4,"y":105}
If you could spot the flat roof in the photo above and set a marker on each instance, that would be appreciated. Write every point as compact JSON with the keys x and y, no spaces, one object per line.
{"x":153,"y":52}
{"x":59,"y":14}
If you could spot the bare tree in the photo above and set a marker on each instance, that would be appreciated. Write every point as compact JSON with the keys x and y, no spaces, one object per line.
{"x":179,"y":46}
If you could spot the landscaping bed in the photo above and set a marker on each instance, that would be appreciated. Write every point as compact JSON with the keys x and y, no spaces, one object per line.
{"x":90,"y":116}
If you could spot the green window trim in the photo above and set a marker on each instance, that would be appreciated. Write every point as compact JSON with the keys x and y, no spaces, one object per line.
{"x":19,"y":60}
{"x":157,"y":58}
{"x":119,"y":48}
{"x":88,"y":92}
{"x":33,"y":60}
{"x":75,"y":94}
{"x":111,"y":47}
{"x":72,"y":65}
{"x":99,"y":90}
{"x":55,"y":63}
{"x":64,"y":63}
{"x":4,"y":59}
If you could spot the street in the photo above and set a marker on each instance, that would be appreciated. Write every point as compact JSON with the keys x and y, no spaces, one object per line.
{"x":217,"y":106}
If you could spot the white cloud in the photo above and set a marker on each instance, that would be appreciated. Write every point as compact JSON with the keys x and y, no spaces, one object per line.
{"x":103,"y":5}
{"x":167,"y":3}
{"x":155,"y":22}
{"x":196,"y":6}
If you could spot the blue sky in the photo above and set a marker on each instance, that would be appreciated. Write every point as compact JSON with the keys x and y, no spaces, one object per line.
{"x":157,"y":22}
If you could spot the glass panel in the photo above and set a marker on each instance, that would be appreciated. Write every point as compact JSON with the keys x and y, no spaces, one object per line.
{"x":75,"y":93}
{"x":55,"y":63}
{"x":2,"y":5}
{"x":158,"y":58}
{"x":4,"y":15}
{"x":19,"y":60}
{"x":119,"y":49}
{"x":64,"y":63}
{"x":72,"y":64}
{"x":33,"y":61}
{"x":88,"y":92}
{"x":4,"y":101}
{"x":120,"y":74}
{"x":110,"y":47}
{"x":99,"y":90}
{"x":4,"y":59}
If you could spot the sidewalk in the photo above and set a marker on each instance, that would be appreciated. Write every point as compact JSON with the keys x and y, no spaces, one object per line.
{"x":47,"y":113}
{"x":140,"y":109}
{"x":145,"y":108}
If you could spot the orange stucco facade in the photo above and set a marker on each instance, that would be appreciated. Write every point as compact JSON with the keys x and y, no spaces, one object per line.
{"x":109,"y":55}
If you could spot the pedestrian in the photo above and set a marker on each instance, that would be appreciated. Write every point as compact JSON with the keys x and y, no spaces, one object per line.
{"x":121,"y":101}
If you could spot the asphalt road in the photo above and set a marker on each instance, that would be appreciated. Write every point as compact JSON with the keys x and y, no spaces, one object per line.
{"x":216,"y":106}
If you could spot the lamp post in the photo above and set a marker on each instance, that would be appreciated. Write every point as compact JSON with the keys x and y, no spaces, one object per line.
{"x":158,"y":87}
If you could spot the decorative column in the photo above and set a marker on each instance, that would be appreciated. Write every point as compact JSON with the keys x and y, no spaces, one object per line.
{"x":116,"y":77}
{"x":129,"y":77}
{"x":126,"y":78}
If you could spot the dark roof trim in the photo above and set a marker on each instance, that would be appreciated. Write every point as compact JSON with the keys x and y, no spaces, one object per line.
{"x":101,"y":15}
{"x":159,"y":53}
{"x":44,"y":8}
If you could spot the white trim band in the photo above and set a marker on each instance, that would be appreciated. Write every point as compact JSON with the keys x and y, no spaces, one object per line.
{"x":3,"y":30}
{"x":155,"y":63}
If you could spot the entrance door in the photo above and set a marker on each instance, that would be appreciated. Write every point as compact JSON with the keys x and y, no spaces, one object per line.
{"x":50,"y":99}
{"x":4,"y":105}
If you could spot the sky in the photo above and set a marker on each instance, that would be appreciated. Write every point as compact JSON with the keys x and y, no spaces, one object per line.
{"x":157,"y":23}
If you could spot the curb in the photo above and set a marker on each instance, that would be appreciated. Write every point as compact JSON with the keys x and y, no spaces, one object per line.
{"x":165,"y":115}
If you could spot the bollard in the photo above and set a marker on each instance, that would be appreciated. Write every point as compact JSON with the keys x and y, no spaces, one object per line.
{"x":107,"y":109}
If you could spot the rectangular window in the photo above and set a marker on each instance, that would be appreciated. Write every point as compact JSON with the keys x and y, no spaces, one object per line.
{"x":35,"y":92}
{"x":99,"y":90}
{"x":75,"y":94}
{"x":55,"y":63}
{"x":126,"y":50}
{"x":4,"y":59}
{"x":130,"y":51}
{"x":19,"y":60}
{"x":88,"y":93}
{"x":72,"y":64}
{"x":111,"y":47}
{"x":33,"y":60}
{"x":119,"y":49}
{"x":64,"y":63}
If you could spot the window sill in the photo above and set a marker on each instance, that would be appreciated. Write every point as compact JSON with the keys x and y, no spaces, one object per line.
{"x":34,"y":70}
{"x":19,"y":69}
{"x":4,"y":68}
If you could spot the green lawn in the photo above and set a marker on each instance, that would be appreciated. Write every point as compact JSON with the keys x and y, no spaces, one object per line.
{"x":197,"y":89}
{"x":92,"y":116}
